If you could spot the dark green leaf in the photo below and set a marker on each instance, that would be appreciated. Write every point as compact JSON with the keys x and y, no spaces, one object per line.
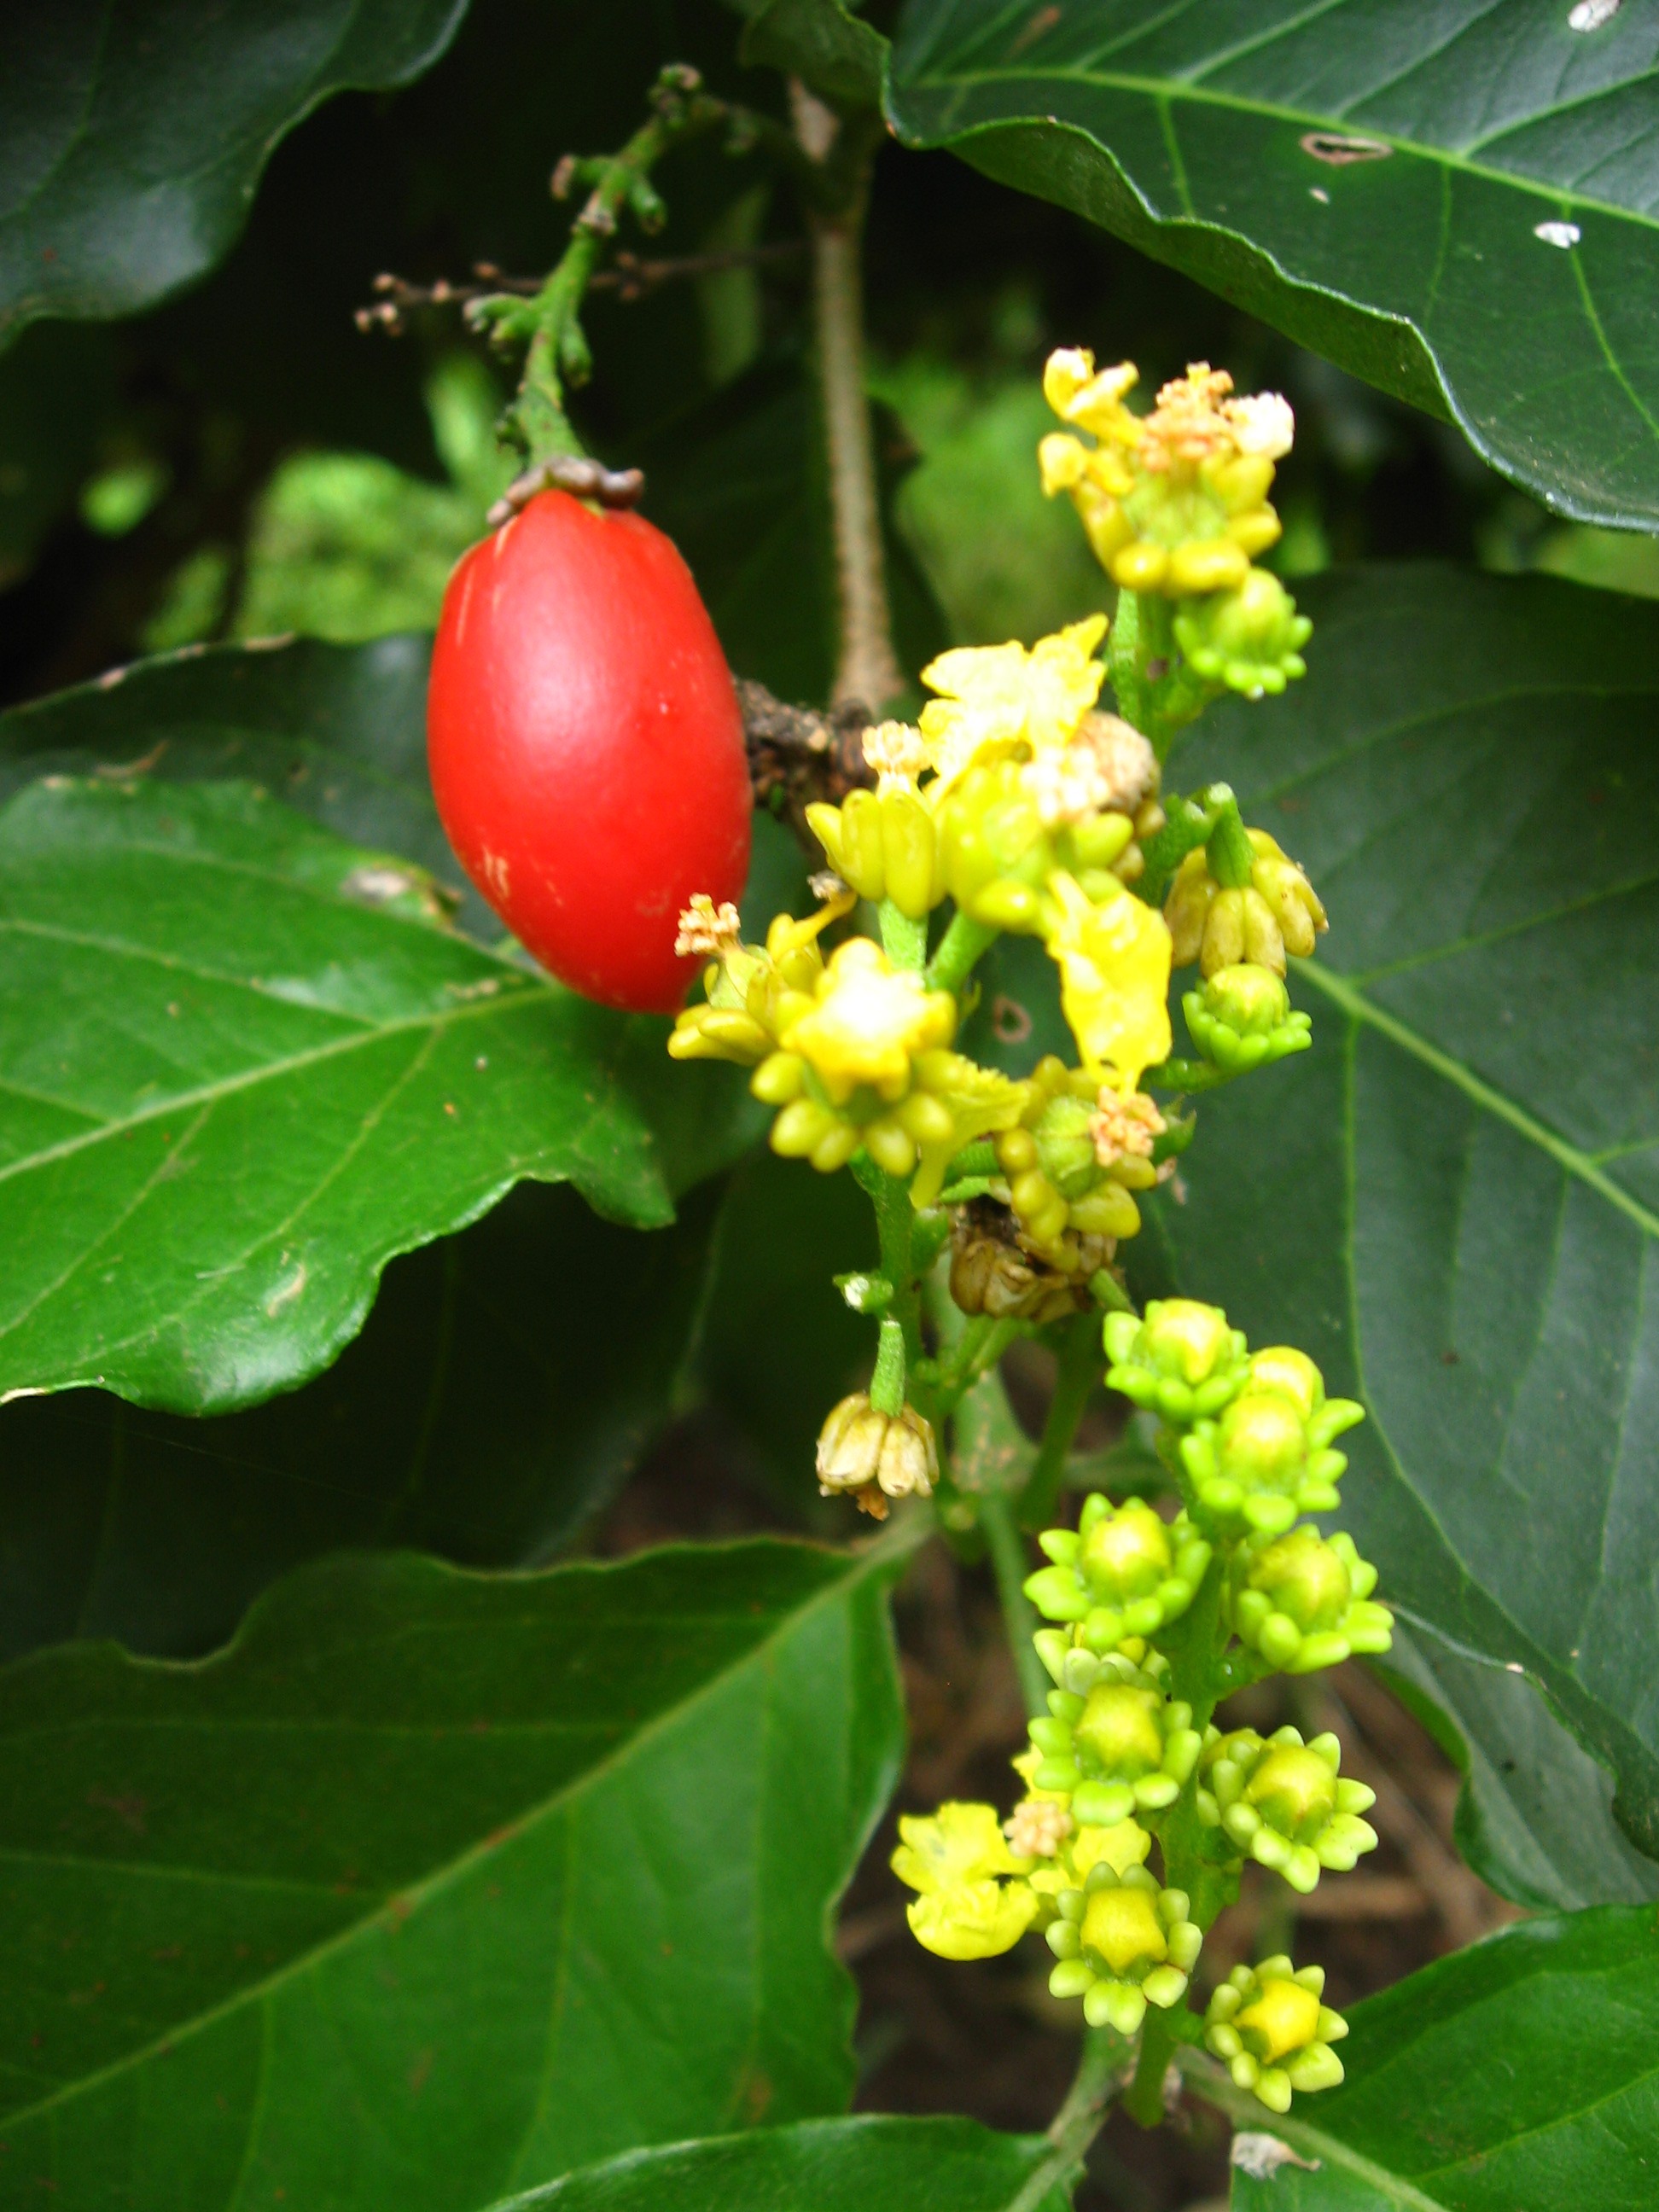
{"x":54,"y":389}
{"x":134,"y":133}
{"x":1456,"y":201}
{"x":823,"y":44}
{"x":242,"y":1067}
{"x":339,"y":732}
{"x":1535,"y":1816}
{"x":1450,"y":1201}
{"x":436,"y":1886}
{"x":1523,"y":2072}
{"x":872,"y":2164}
{"x":779,"y":1343}
{"x":505,"y":1380}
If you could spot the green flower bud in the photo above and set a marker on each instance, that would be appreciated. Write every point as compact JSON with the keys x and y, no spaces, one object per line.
{"x":1305,"y":1602}
{"x":1122,"y":1573}
{"x":1284,"y":1803}
{"x":1122,"y":1942}
{"x":1066,"y":1145}
{"x":885,"y":845}
{"x":995,"y":850}
{"x":1249,"y":638}
{"x":1242,"y":1018}
{"x":1268,"y":1460}
{"x":875,"y":1457}
{"x":1182,"y":1360}
{"x":1269,"y":2025}
{"x":1114,"y":1740}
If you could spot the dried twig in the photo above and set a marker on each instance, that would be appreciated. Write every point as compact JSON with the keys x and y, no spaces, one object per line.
{"x":797,"y":754}
{"x":631,"y":276}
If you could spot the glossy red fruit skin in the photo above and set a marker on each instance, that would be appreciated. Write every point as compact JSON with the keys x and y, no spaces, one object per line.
{"x":585,"y":746}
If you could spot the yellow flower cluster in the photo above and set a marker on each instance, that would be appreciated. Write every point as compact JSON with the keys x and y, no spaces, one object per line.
{"x":1175,"y":501}
{"x":1031,"y":800}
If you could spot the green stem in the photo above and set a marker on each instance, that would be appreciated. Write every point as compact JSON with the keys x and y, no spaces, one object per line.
{"x":959,"y":949}
{"x":1081,"y":1365}
{"x":1078,"y":2122}
{"x":1143,"y":2101}
{"x":894,"y":1222}
{"x":549,"y":323}
{"x":1010,"y":1566}
{"x":903,"y":939}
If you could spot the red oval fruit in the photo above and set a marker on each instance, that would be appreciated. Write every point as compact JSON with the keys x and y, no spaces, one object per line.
{"x":585,"y":746}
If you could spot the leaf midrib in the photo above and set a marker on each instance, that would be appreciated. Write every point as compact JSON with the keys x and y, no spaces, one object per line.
{"x":1166,"y":91}
{"x":435,"y":1019}
{"x":1568,"y":1156}
{"x":405,"y":1902}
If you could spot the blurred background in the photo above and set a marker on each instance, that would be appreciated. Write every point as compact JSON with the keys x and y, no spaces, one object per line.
{"x":247,"y":462}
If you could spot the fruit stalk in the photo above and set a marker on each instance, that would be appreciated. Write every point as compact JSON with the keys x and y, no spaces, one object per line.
{"x":867,"y":668}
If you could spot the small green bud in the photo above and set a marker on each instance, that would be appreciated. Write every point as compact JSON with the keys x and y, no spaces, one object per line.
{"x":1305,"y":1602}
{"x":1182,"y":1360}
{"x":1249,"y":638}
{"x":1267,"y":1459}
{"x":1064,"y":1132}
{"x":1125,"y":1573}
{"x":1284,"y":1803}
{"x":1115,"y":1742}
{"x":1242,"y":1018}
{"x":1122,"y":1943}
{"x":1268,"y":2025}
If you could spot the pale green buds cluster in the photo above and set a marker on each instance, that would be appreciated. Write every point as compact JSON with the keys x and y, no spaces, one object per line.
{"x":1123,"y":1572}
{"x":1122,"y":1943}
{"x":1224,"y":926}
{"x":1268,"y":1458}
{"x":1285,"y":1803}
{"x":1119,"y":1747}
{"x":1305,"y":1602}
{"x":1242,"y":1018}
{"x":1249,"y":639}
{"x":1183,"y":1360}
{"x":875,"y":1457}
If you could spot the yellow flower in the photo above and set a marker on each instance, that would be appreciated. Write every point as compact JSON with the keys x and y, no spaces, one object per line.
{"x":1113,"y":961}
{"x":866,"y":1021}
{"x":1176,"y":500}
{"x":954,"y":1858}
{"x":998,"y":698}
{"x":959,"y":1843}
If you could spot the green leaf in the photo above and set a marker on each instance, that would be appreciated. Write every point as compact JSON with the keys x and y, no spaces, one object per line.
{"x":1451,"y":1201}
{"x":875,"y":2163}
{"x":339,"y":733}
{"x":1523,"y":2071}
{"x":134,"y":136}
{"x":822,"y":42}
{"x":436,"y":1886}
{"x":240,"y":1067}
{"x":1534,"y":1819}
{"x":1456,"y":203}
{"x":505,"y":1381}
